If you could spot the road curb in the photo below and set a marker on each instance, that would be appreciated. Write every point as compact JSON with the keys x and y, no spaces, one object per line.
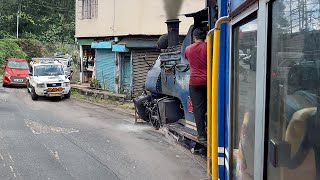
{"x":109,"y":107}
{"x":97,"y":93}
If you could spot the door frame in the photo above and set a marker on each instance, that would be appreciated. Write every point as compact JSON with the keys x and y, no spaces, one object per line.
{"x":261,"y":91}
{"x":122,"y":70}
{"x":261,"y":85}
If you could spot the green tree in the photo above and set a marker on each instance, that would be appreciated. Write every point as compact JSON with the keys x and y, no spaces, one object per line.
{"x":49,"y":21}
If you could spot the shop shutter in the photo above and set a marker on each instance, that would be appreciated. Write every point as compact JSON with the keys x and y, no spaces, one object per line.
{"x":140,"y":68}
{"x":105,"y":68}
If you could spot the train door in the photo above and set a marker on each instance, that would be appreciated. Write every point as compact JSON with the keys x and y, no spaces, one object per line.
{"x":243,"y":77}
{"x":247,"y":89}
{"x":274,"y":90}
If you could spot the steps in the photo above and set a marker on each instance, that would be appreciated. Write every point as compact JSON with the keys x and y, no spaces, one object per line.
{"x":184,"y":131}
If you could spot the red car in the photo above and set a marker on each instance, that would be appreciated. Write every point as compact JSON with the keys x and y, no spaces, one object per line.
{"x":15,"y":72}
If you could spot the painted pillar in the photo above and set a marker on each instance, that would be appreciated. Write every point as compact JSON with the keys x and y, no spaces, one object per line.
{"x":81,"y":64}
{"x":117,"y":70}
{"x":131,"y":64}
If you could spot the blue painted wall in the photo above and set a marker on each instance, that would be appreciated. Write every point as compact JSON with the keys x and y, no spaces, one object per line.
{"x":105,"y":68}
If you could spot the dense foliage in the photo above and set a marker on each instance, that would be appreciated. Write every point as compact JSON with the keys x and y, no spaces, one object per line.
{"x":10,"y":49}
{"x":49,"y":21}
{"x":30,"y":48}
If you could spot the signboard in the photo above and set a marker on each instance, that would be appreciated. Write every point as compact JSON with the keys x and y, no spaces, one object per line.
{"x":85,"y":41}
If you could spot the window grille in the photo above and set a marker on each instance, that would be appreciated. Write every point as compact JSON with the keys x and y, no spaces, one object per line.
{"x":87,"y":9}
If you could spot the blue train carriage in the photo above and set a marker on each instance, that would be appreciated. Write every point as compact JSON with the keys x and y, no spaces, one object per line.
{"x":166,"y":100}
{"x":267,"y":56}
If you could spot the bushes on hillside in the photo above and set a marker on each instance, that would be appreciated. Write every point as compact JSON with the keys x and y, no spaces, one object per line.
{"x":30,"y":48}
{"x":10,"y":49}
{"x":21,"y":48}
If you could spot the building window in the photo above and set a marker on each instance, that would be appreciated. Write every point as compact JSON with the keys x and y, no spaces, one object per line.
{"x":88,"y":9}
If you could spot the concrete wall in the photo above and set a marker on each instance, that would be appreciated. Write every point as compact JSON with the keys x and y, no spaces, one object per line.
{"x":132,"y":17}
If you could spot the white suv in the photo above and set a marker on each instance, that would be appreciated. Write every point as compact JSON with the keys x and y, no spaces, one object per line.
{"x":48,"y":79}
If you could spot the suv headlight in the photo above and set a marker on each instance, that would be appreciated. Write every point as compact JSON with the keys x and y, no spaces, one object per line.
{"x":66,"y":84}
{"x":41,"y":85}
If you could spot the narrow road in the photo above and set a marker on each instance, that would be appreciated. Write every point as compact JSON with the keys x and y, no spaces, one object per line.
{"x":67,"y":139}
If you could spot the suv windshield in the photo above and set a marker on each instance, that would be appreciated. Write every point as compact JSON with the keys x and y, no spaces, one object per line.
{"x":18,"y":65}
{"x":48,"y":70}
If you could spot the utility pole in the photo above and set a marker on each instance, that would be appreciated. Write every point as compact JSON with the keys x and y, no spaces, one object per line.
{"x":291,"y":17}
{"x":18,"y":17}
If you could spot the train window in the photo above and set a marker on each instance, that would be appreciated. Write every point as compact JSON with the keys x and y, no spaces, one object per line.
{"x":294,"y":127}
{"x":243,"y":99}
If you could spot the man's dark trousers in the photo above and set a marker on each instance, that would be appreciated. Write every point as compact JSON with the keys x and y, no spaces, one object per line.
{"x":198,"y":96}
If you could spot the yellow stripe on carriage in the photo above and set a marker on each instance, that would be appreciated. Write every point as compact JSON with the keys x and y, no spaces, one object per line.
{"x":214,"y":97}
{"x":209,"y":86}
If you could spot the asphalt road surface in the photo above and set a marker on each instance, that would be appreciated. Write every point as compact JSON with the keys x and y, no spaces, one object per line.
{"x":68,"y":139}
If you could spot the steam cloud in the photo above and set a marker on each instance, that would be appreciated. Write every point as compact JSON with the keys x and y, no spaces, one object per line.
{"x":172,"y":8}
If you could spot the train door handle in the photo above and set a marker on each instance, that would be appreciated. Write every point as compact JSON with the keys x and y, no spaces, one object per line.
{"x":279,"y":153}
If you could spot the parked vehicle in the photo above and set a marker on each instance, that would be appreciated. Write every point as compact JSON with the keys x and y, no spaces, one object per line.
{"x":15,"y":72}
{"x":67,"y":61}
{"x":242,"y":54}
{"x":48,"y":79}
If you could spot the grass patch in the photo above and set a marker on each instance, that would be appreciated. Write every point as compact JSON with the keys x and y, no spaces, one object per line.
{"x":122,"y":105}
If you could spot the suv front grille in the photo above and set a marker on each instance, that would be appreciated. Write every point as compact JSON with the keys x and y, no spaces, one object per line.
{"x":54,"y":85}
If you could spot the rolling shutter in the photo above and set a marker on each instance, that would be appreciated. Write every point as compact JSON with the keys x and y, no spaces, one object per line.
{"x":141,"y":68}
{"x":105,"y":68}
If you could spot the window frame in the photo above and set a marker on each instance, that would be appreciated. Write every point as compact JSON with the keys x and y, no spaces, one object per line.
{"x":88,"y":9}
{"x":247,"y":16}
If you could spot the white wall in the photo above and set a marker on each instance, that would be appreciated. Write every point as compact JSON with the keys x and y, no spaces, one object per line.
{"x":133,"y":17}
